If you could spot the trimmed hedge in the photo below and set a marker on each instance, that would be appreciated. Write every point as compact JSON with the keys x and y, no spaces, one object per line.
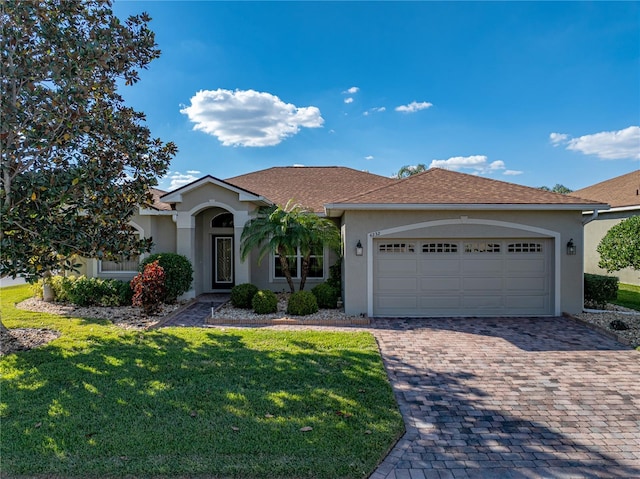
{"x":302,"y":303}
{"x":178,"y":273}
{"x":242,"y":295}
{"x":599,"y":289}
{"x":85,"y":291}
{"x":265,"y":302}
{"x":327,"y":296}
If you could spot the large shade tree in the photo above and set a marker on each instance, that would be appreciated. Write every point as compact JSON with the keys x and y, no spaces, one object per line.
{"x":620,"y":247}
{"x":285,"y":231}
{"x":76,"y":161}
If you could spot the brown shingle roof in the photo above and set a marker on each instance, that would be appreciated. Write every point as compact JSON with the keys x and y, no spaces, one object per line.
{"x":310,"y":186}
{"x":157,"y":204}
{"x":438,"y":187}
{"x":618,"y":192}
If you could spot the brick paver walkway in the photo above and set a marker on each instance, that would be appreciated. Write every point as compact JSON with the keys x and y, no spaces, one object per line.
{"x":197,"y":312}
{"x":512,"y":398}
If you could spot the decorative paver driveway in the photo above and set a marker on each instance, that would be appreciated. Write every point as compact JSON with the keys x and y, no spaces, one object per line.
{"x":513,"y":398}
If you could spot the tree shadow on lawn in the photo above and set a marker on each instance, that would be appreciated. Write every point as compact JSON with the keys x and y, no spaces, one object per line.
{"x":454,"y":423}
{"x":193,"y":402}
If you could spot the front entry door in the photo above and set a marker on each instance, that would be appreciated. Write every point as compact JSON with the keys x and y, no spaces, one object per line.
{"x":222,"y":255}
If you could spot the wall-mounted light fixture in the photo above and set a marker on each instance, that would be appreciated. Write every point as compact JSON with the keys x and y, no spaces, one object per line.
{"x":359,"y":249}
{"x":571,"y":248}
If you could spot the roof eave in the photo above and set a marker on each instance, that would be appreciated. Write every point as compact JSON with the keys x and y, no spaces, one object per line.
{"x":336,"y":209}
{"x":614,"y":209}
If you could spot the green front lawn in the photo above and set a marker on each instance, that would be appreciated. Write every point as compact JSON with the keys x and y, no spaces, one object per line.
{"x":628,"y":296}
{"x":191,"y":402}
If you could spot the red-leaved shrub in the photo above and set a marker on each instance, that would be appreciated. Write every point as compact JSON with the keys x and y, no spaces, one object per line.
{"x":148,"y":288}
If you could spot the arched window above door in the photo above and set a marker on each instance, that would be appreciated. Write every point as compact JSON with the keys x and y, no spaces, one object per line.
{"x":223,"y":220}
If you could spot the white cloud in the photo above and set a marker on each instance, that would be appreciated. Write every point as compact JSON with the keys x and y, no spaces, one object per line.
{"x":351,"y":91}
{"x":609,"y":145}
{"x":177,"y":179}
{"x":368,"y":157}
{"x":558,"y":138}
{"x":475,"y":164}
{"x":377,"y":109}
{"x":414,"y":106}
{"x":348,"y":100}
{"x":248,"y":117}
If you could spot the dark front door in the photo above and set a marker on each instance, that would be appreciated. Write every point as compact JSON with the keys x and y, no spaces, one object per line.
{"x":222,"y":255}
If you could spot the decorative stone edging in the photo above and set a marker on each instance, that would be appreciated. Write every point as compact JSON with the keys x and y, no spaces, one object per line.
{"x":288,"y":321}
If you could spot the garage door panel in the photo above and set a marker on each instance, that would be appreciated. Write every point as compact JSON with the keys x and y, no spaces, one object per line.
{"x":532,"y":285}
{"x":528,"y":303}
{"x":474,"y":303}
{"x":486,"y":283}
{"x":449,"y":277}
{"x":481,"y":266}
{"x":399,"y":303}
{"x":440,"y":284}
{"x":439,"y":303}
{"x":399,"y":265}
{"x":398,"y":283}
{"x":531,"y":265}
{"x":441,"y":267}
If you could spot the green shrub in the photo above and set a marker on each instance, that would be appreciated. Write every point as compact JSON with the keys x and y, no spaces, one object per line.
{"x":327,"y":296}
{"x":242,"y":294}
{"x":149,"y":288}
{"x":302,"y":303}
{"x":598,"y":289}
{"x":61,"y":286}
{"x":265,"y":302}
{"x":85,"y":291}
{"x":178,"y":273}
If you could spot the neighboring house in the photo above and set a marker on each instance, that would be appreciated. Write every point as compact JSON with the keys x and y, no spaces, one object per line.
{"x":439,"y":243}
{"x":623,"y":195}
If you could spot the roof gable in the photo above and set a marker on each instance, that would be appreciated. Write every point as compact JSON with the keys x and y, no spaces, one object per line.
{"x":437,"y":186}
{"x":175,"y":196}
{"x":619,"y":192}
{"x":310,"y":186}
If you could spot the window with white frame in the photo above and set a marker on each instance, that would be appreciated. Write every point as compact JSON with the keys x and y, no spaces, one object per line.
{"x":316,"y":264}
{"x":122,"y":263}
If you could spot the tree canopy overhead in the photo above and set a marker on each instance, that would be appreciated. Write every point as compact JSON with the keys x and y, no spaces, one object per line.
{"x":76,"y":161}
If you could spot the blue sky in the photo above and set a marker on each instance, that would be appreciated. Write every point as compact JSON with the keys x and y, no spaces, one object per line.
{"x":535,"y":93}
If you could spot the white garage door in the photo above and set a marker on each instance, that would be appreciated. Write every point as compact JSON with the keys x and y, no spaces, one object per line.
{"x":469,"y":277}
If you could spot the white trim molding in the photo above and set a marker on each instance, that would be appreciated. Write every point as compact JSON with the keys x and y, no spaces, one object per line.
{"x":470,"y":221}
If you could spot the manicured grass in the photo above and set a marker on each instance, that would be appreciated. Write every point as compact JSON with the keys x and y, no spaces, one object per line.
{"x":628,"y":296}
{"x":191,"y":402}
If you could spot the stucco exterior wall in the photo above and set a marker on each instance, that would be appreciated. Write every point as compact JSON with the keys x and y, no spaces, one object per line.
{"x":362,"y":225}
{"x":593,"y":234}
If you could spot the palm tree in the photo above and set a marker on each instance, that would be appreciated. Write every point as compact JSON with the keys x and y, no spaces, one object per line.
{"x":285,"y":230}
{"x":410,"y":170}
{"x":319,"y":232}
